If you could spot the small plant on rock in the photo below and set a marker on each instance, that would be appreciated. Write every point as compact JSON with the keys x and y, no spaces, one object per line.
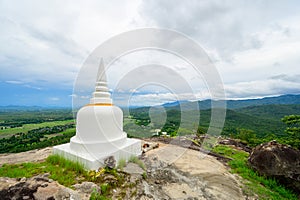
{"x":121,"y":164}
{"x":137,"y":161}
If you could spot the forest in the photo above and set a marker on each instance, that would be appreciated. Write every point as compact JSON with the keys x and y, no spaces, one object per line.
{"x":252,"y":123}
{"x":18,"y":116}
{"x":23,"y":130}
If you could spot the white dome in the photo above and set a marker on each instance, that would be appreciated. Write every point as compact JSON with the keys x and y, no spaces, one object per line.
{"x":104,"y":123}
{"x":99,"y":126}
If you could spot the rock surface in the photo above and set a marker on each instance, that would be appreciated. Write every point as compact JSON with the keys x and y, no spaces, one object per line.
{"x":239,"y":145}
{"x":36,"y":155}
{"x":87,"y":187}
{"x":110,"y":162}
{"x":178,"y":173}
{"x":279,"y":161}
{"x":148,"y":146}
{"x":172,"y":172}
{"x":38,"y":188}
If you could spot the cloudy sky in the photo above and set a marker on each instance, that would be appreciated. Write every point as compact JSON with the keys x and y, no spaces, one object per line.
{"x":254,"y":45}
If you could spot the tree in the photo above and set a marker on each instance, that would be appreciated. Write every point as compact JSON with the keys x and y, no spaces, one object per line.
{"x":247,"y":136}
{"x":293,"y":122}
{"x":201,"y":131}
{"x":293,"y":129}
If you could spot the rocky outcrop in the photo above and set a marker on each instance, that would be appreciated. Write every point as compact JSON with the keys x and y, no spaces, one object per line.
{"x":238,"y":144}
{"x":42,"y":188}
{"x":174,"y":172}
{"x":110,"y":162}
{"x":37,"y":155}
{"x":278,"y":161}
{"x":147,"y":146}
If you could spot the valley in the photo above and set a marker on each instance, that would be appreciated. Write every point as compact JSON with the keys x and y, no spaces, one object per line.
{"x":248,"y":125}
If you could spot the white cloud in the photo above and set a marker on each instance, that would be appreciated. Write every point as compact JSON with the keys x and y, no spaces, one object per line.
{"x":54,"y":99}
{"x":44,"y":46}
{"x":33,"y":87}
{"x":23,"y":84}
{"x":14,"y":82}
{"x":85,"y":97}
{"x":260,"y":88}
{"x":247,"y":41}
{"x":50,"y":40}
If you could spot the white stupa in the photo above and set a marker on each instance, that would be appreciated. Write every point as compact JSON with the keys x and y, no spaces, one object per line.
{"x":99,"y":131}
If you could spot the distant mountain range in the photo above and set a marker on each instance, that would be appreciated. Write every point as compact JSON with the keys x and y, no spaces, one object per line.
{"x":280,"y":100}
{"x":237,"y":104}
{"x":260,"y":115}
{"x":187,"y":105}
{"x":263,"y":116}
{"x":29,"y":108}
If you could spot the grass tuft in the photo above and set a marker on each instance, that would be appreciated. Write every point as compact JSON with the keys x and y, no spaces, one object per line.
{"x":96,"y":196}
{"x":67,"y":164}
{"x":121,"y":164}
{"x":69,"y":173}
{"x":62,"y":170}
{"x":137,"y":161}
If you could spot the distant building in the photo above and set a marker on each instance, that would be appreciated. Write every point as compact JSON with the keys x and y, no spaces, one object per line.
{"x":164,"y":133}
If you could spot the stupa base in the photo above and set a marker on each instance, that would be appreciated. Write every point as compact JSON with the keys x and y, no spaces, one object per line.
{"x":94,"y":160}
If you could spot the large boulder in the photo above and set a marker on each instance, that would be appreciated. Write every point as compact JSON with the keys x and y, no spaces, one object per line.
{"x":277,"y":161}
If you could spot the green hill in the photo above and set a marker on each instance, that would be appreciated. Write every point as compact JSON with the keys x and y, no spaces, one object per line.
{"x":263,"y":119}
{"x":271,"y":111}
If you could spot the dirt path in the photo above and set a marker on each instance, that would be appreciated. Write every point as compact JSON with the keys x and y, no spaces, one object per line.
{"x":36,"y":155}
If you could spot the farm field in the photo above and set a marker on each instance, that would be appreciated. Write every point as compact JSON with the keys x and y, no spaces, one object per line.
{"x":27,"y":127}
